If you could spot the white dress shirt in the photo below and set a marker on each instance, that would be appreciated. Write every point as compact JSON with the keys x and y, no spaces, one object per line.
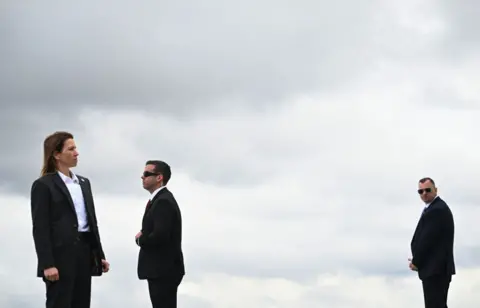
{"x":75,"y":190}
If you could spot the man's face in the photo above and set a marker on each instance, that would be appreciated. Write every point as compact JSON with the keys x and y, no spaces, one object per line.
{"x":427,"y":191}
{"x":150,"y":178}
{"x":68,"y":156}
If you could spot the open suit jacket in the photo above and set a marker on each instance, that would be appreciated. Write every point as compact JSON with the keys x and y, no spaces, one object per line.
{"x":432,"y":242}
{"x":161,"y":255}
{"x":55,"y":224}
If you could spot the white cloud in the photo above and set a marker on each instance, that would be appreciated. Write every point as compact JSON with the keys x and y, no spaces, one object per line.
{"x":207,"y":286}
{"x":342,"y":290}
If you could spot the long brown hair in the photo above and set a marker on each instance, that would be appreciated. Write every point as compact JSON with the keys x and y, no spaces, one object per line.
{"x":53,"y":144}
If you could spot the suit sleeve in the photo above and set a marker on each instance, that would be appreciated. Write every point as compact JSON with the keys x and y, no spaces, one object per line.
{"x":95,"y":222}
{"x":429,"y":237}
{"x":40,"y":206}
{"x":163,"y":215}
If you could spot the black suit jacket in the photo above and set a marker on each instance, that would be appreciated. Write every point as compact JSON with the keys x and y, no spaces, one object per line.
{"x":55,"y":224}
{"x":161,"y":255}
{"x":432,"y":242}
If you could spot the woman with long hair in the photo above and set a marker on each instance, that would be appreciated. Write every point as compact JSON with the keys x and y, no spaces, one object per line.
{"x":65,"y":231}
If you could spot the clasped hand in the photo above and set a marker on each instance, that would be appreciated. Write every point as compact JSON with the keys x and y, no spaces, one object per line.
{"x":411,"y":265}
{"x":139,"y":234}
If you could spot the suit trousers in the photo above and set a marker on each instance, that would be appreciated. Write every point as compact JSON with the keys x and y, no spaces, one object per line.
{"x":435,"y":291}
{"x":163,"y":292}
{"x":73,"y":289}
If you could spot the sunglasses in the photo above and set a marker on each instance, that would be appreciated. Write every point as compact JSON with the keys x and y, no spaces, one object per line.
{"x":146,"y":174}
{"x":426,"y":190}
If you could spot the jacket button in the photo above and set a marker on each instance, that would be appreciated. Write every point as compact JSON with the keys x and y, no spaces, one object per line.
{"x":75,"y":226}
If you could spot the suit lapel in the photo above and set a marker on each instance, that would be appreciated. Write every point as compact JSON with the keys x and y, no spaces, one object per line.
{"x":418,"y":229}
{"x":162,"y":191}
{"x":58,"y":181}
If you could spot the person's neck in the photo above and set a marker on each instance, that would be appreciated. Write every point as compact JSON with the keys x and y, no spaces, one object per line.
{"x":155,"y":188}
{"x":64,"y":170}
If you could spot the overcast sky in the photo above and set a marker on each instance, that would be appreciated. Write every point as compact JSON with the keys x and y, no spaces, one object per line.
{"x":296,"y":130}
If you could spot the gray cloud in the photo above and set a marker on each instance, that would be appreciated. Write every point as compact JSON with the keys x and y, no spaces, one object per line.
{"x":59,"y":61}
{"x":463,"y":27}
{"x":69,"y":61}
{"x":173,"y":60}
{"x":21,"y":135}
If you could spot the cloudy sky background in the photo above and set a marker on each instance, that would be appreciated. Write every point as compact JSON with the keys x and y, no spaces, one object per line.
{"x":296,"y":132}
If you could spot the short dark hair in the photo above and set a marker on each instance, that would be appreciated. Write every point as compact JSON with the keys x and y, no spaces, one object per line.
{"x":162,"y":168}
{"x":426,"y":179}
{"x":53,"y":144}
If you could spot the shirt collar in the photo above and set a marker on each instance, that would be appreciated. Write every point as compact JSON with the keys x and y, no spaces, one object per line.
{"x":155,"y":192}
{"x":66,"y":179}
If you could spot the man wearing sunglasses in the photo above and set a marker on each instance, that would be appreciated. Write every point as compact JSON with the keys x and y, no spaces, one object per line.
{"x":432,"y":246}
{"x":160,"y":260}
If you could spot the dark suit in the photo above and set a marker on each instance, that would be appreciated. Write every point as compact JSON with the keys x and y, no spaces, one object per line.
{"x":432,"y":252}
{"x":160,"y":259}
{"x":59,"y":244}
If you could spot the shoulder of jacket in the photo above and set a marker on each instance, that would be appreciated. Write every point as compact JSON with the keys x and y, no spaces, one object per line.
{"x":169,"y":195}
{"x":46,"y":178}
{"x":165,"y":196}
{"x":442,"y":202}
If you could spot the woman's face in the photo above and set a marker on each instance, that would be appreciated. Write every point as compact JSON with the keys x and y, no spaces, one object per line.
{"x":68,"y":156}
